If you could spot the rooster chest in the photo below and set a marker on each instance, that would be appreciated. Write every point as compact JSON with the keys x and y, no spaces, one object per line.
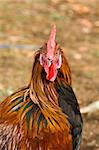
{"x":39,"y":130}
{"x":43,"y":134}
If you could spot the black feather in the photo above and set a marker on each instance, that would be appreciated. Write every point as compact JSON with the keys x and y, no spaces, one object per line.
{"x":69,"y":105}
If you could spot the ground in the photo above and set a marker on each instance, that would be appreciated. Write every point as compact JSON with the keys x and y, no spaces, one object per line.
{"x":28,"y":22}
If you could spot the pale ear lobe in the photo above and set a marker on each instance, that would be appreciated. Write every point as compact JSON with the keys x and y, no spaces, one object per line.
{"x":59,"y":63}
{"x":41,"y":59}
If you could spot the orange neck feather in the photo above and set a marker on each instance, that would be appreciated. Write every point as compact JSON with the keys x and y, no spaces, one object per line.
{"x":44,"y":94}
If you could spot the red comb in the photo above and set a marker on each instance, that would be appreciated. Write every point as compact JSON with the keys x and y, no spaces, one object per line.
{"x":51,"y":42}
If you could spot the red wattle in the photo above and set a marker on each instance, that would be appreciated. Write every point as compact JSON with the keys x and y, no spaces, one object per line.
{"x":52,"y":73}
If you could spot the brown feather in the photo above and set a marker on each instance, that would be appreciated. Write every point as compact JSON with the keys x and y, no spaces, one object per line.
{"x":38,"y":98}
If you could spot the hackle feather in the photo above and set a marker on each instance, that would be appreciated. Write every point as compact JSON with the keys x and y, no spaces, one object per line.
{"x":32,"y":117}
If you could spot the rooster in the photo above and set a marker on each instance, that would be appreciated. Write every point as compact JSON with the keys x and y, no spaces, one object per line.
{"x":44,"y":115}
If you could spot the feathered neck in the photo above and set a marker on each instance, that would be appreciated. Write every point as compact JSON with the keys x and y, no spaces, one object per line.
{"x":43,"y":92}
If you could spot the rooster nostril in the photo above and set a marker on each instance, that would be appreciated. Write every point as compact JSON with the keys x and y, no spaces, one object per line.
{"x":50,"y":59}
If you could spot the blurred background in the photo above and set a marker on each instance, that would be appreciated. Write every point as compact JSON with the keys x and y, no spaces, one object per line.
{"x":25,"y":25}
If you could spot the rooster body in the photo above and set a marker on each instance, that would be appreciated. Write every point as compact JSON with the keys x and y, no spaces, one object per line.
{"x":44,"y":115}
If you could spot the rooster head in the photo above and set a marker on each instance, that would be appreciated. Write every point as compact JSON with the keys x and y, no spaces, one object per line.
{"x":51,"y":59}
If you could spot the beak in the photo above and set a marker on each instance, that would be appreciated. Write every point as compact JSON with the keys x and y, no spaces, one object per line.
{"x":50,"y":61}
